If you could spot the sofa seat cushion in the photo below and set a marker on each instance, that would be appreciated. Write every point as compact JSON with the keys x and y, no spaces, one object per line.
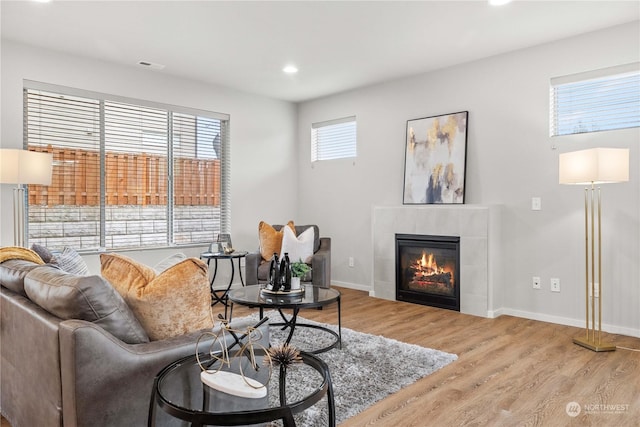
{"x":89,"y":298}
{"x":172,"y":303}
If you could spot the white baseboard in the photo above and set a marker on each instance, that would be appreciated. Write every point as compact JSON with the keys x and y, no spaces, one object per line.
{"x":613,"y":329}
{"x":356,"y":286}
{"x":492,"y":314}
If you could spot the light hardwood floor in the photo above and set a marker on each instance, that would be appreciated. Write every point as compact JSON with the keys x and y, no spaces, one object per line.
{"x":510,"y":371}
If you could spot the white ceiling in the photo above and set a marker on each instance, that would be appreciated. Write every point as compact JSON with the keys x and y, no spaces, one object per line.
{"x":337,"y":45}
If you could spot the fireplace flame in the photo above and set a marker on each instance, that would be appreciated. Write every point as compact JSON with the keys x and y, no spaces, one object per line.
{"x":427,"y":265}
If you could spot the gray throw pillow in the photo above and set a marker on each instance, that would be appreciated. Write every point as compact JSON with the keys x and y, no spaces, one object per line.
{"x":70,"y":261}
{"x":43,"y":251}
{"x":89,"y":298}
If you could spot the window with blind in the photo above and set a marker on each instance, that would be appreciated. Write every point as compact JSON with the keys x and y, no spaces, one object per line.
{"x":598,"y":100}
{"x":126,"y":173}
{"x":334,"y":139}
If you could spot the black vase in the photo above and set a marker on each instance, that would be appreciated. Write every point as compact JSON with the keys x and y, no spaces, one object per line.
{"x":274,"y":273}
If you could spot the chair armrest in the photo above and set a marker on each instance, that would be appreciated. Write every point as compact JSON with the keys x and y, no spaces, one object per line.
{"x":97,"y":368}
{"x":321,"y":264}
{"x":251,"y":263}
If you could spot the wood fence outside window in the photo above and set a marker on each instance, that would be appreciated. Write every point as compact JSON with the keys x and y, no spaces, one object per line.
{"x":131,"y":179}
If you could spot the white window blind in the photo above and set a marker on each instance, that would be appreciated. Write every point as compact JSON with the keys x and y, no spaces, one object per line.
{"x":126,"y":173}
{"x":598,"y":100}
{"x":334,"y":139}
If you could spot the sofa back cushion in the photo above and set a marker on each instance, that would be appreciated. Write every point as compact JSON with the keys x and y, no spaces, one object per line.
{"x":172,"y":303}
{"x":90,"y":298}
{"x":13,"y":272}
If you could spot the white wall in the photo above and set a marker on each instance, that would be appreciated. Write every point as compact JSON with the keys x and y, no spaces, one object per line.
{"x":263,"y":147}
{"x":510,"y":158}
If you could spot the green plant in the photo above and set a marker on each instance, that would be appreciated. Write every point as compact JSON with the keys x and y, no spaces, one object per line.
{"x":299,"y":269}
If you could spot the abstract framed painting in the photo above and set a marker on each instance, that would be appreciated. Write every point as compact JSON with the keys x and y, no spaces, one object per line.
{"x":435,"y":159}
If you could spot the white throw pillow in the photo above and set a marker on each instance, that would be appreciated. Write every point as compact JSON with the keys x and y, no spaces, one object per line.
{"x":169,"y":261}
{"x":299,"y":248}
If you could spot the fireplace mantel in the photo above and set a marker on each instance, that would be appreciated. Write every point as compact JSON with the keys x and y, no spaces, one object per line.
{"x":480,"y":249}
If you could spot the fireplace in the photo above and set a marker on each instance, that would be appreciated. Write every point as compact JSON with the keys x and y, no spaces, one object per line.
{"x":428,"y":270}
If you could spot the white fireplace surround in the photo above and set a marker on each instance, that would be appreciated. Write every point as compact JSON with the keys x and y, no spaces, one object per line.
{"x":480,"y":249}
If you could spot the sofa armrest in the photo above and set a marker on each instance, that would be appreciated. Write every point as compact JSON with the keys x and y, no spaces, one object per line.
{"x":106,"y":382}
{"x":321,"y":264}
{"x":251,"y":263}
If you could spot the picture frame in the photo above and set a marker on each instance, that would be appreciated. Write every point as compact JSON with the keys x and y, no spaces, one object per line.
{"x":224,"y":240}
{"x":435,"y":159}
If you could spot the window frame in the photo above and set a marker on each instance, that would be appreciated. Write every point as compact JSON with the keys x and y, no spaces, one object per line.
{"x":340,"y":139}
{"x":223,"y":222}
{"x":580,"y":103}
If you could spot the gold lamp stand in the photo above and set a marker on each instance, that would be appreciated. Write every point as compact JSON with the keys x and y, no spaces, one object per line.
{"x":596,"y":165}
{"x":592,"y":340}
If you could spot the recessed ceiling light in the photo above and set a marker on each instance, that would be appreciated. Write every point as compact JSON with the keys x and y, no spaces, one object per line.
{"x":290,"y":69}
{"x":498,"y":2}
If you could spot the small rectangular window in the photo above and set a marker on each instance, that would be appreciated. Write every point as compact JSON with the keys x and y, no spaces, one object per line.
{"x":333,"y":139}
{"x":594,"y":101}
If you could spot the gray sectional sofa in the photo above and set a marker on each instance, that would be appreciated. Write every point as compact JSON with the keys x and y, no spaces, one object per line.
{"x":73,"y":372}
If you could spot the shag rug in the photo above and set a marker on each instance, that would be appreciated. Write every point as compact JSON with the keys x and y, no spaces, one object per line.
{"x":367,"y":369}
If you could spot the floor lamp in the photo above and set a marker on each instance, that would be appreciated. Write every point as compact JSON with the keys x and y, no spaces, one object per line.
{"x":592,"y":167}
{"x":23,"y":167}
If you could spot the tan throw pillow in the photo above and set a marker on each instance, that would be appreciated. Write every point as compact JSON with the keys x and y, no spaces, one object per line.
{"x":271,"y":239}
{"x":124,"y":273}
{"x":173,"y":303}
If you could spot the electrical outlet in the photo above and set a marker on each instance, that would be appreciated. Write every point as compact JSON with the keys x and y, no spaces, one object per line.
{"x":536,"y":204}
{"x":555,"y":284}
{"x":596,"y":290}
{"x":536,"y":282}
{"x":351,"y":262}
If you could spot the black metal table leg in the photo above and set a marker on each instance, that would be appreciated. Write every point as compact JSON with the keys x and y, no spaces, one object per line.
{"x":339,"y":325}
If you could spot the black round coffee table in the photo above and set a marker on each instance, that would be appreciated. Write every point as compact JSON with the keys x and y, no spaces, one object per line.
{"x":313,"y":296}
{"x":179,"y":392}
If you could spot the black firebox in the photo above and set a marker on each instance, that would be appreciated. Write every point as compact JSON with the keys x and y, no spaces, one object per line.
{"x":428,"y":270}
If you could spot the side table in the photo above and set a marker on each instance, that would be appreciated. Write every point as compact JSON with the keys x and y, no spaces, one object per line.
{"x":220,"y":294}
{"x":179,"y":392}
